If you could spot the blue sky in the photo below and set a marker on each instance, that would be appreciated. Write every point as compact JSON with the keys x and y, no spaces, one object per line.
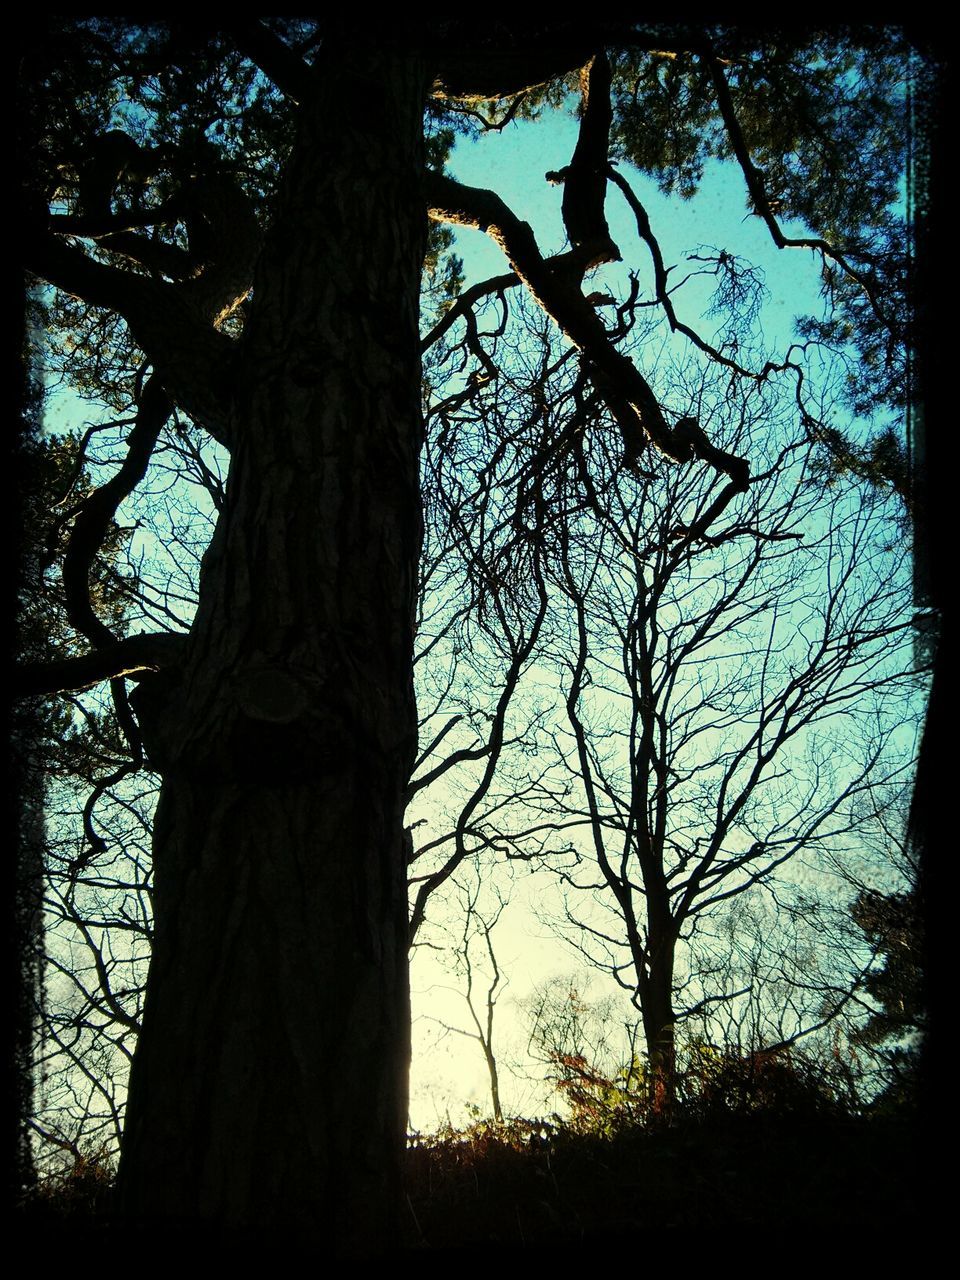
{"x":514,"y":163}
{"x":448,"y":1071}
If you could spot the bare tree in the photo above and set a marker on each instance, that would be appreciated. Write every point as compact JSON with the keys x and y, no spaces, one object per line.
{"x":717,"y":685}
{"x":481,"y":980}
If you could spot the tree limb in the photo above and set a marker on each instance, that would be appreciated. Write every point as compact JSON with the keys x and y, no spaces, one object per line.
{"x":555,"y":285}
{"x":663,"y":293}
{"x":193,"y":360}
{"x":191,"y":357}
{"x":585,"y":178}
{"x":276,"y":60}
{"x":758,"y":193}
{"x":176,"y":324}
{"x":465,"y":302}
{"x":93,"y":519}
{"x":130,"y":657}
{"x":477,"y":74}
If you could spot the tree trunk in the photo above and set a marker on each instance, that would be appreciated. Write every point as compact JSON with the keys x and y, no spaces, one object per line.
{"x":269,"y":1089}
{"x":494,"y":1075}
{"x":656,"y":1003}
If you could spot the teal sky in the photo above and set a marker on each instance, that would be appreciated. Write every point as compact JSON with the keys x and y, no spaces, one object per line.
{"x":514,"y":163}
{"x":448,"y":1070}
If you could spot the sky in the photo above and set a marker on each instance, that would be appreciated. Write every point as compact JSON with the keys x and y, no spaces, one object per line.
{"x":449,"y":1075}
{"x":514,"y":164}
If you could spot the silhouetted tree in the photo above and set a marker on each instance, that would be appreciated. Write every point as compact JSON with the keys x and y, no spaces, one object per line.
{"x":229,"y":226}
{"x":893,"y":925}
{"x":714,"y":685}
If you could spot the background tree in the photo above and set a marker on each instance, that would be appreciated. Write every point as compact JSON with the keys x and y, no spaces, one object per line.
{"x":480,"y":980}
{"x":65,"y":759}
{"x":882,"y":918}
{"x":893,"y":924}
{"x":234,"y":221}
{"x":714,"y":684}
{"x":752,"y":655}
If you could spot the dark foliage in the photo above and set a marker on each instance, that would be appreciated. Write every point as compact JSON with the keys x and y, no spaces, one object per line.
{"x":535,"y":1186}
{"x":540,"y":1186}
{"x":893,"y":924}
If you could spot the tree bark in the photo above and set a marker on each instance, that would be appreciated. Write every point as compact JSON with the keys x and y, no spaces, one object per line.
{"x":269,"y":1085}
{"x":656,"y":1001}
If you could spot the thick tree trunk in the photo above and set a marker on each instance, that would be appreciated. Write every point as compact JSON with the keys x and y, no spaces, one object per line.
{"x":269,"y":1086}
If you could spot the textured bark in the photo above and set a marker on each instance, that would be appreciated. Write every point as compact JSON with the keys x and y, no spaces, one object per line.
{"x":656,"y":990}
{"x":269,"y":1086}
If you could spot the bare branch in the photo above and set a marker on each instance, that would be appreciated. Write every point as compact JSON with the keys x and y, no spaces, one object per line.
{"x":760,"y":197}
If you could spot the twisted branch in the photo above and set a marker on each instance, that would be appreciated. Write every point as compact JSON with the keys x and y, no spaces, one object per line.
{"x":176,"y":324}
{"x":555,"y":285}
{"x":758,"y":193}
